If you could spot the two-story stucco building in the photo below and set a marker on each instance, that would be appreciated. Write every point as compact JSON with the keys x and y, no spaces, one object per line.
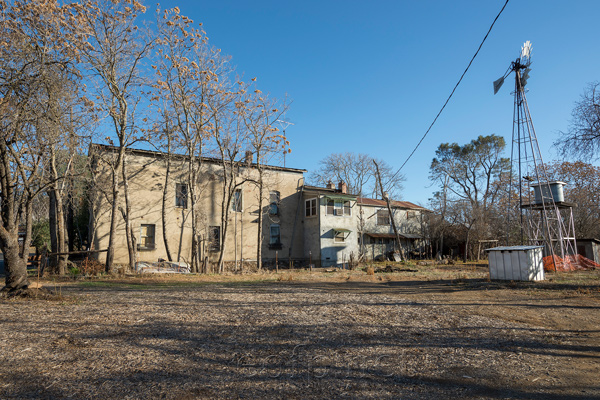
{"x":329,"y":224}
{"x":300,"y":223}
{"x":146,"y":175}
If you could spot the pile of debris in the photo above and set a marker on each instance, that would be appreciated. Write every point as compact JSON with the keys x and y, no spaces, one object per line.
{"x":162,"y":267}
{"x":391,"y":268}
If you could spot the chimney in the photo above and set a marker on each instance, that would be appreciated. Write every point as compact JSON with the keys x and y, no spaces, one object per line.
{"x":330,"y":185}
{"x":248,"y":157}
{"x":343,"y":188}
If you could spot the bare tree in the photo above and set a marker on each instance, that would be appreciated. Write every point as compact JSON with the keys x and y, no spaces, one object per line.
{"x":36,"y":56}
{"x":582,"y":139}
{"x":386,"y":197}
{"x":359,"y":173}
{"x":264,"y":142}
{"x":191,"y":78}
{"x":114,"y":53}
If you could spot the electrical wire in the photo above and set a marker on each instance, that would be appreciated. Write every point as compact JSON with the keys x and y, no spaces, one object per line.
{"x":453,"y":90}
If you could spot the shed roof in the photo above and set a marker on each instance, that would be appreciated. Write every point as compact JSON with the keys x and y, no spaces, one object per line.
{"x":514,"y":248}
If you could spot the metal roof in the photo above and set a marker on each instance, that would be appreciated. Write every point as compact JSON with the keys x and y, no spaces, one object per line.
{"x":514,"y":248}
{"x":396,"y":204}
{"x":393,"y":236}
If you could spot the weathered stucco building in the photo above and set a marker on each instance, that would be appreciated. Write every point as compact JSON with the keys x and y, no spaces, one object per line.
{"x":330,"y":229}
{"x":300,"y":224}
{"x":146,"y":175}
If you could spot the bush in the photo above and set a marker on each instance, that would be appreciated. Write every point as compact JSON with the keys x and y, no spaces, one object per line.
{"x":91,"y":267}
{"x":40,"y":235}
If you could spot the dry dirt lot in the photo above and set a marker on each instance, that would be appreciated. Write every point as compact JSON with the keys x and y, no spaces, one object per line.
{"x":427,"y":334}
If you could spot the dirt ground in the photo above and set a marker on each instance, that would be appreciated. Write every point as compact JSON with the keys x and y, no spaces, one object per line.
{"x":427,"y":333}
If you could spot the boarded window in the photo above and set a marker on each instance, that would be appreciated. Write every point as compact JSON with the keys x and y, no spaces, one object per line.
{"x":181,"y":195}
{"x":310,"y":207}
{"x":146,"y":237}
{"x":214,"y":238}
{"x":274,"y":202}
{"x":383,"y":217}
{"x":236,"y":201}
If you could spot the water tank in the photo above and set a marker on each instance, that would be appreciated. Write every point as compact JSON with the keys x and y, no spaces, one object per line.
{"x":552,"y":189}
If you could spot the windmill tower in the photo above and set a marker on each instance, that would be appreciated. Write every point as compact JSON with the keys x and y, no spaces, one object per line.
{"x":544,"y":217}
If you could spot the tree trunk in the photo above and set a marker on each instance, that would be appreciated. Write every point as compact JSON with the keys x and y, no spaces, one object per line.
{"x":392,"y":220}
{"x":116,"y":170}
{"x":53,"y":231}
{"x":110,"y":254}
{"x":164,"y":206}
{"x":15,"y":266}
{"x":259,"y":233}
{"x":58,"y":238}
{"x":127,"y":217}
{"x":467,"y":244}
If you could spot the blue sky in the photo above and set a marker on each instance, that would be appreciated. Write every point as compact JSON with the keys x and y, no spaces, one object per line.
{"x":369,"y":77}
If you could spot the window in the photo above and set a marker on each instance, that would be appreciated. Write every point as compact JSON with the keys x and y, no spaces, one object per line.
{"x":236,"y":201}
{"x":339,"y":236}
{"x":411,"y":214}
{"x":275,"y":239}
{"x":274,"y":203}
{"x":383,"y":217}
{"x":214,"y":238}
{"x":338,"y":208}
{"x":146,"y":237}
{"x":347,"y":208}
{"x":330,"y":207}
{"x":181,"y":195}
{"x":310,"y":207}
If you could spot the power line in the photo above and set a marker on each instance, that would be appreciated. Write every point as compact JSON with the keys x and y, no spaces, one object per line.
{"x":453,"y":90}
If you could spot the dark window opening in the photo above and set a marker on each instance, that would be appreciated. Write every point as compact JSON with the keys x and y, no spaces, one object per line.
{"x":181,"y":195}
{"x":214,"y":238}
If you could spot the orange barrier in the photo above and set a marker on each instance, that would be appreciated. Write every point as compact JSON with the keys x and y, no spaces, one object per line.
{"x":569,"y":263}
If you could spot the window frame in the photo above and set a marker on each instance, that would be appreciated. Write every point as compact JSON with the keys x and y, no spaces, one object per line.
{"x":237,"y":201}
{"x":214,"y":241}
{"x":180,"y":200}
{"x":336,"y":236}
{"x":339,"y":208}
{"x":274,"y":200}
{"x":144,"y":244}
{"x":311,"y":207}
{"x":380,"y":216}
{"x":277,"y":243}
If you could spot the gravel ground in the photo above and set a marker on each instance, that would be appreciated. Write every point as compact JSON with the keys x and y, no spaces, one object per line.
{"x":298,"y":340}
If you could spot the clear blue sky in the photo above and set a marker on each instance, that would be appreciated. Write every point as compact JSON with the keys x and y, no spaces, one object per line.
{"x":369,"y":77}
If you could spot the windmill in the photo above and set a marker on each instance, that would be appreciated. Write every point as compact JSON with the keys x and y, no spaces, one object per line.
{"x":545,"y":218}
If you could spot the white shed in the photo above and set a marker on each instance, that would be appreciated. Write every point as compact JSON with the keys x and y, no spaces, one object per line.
{"x":516,"y":263}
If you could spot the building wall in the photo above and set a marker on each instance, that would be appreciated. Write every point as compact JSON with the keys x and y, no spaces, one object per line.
{"x":403,"y":222}
{"x":146,"y":174}
{"x":375,"y":247}
{"x":311,"y":231}
{"x":319,"y":233}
